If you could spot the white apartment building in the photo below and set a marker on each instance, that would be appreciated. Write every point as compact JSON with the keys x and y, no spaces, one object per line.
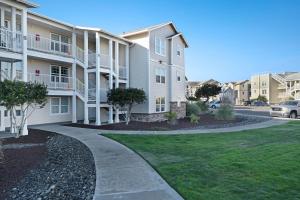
{"x":80,"y":64}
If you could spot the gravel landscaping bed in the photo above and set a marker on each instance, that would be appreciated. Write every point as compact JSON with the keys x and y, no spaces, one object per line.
{"x":66,"y":171}
{"x":206,"y":121}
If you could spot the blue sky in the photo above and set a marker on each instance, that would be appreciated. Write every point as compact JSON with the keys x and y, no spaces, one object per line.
{"x":229,"y":39}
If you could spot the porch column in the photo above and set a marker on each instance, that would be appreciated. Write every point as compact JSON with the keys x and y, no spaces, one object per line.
{"x":86,"y":76}
{"x":74,"y":78}
{"x":2,"y":17}
{"x":24,"y":32}
{"x":117,"y":120}
{"x":110,"y":117}
{"x":127,"y":65}
{"x":13,"y":26}
{"x":2,"y":127}
{"x":98,"y":114}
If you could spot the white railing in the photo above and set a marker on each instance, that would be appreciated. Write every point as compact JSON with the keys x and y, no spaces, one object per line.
{"x":19,"y":75}
{"x":80,"y":87}
{"x":38,"y":43}
{"x":104,"y":60}
{"x":6,"y":76}
{"x":52,"y":81}
{"x":279,"y":78}
{"x":92,"y":94}
{"x":11,"y":41}
{"x":122,"y":72}
{"x":80,"y":54}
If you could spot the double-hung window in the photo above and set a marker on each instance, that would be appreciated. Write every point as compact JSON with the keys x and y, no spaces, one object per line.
{"x":59,"y":74}
{"x":160,"y":75}
{"x":59,"y":105}
{"x":59,"y":43}
{"x":160,"y":104}
{"x":55,"y":73}
{"x":160,"y":46}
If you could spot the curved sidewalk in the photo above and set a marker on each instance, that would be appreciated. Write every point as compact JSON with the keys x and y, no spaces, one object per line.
{"x":265,"y":124}
{"x":120,"y":173}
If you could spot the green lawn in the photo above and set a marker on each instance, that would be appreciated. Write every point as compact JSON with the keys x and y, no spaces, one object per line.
{"x":257,"y":164}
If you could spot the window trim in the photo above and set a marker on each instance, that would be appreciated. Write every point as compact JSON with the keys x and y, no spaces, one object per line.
{"x":161,"y":42}
{"x":161,"y":72}
{"x":59,"y":106}
{"x":160,"y":105}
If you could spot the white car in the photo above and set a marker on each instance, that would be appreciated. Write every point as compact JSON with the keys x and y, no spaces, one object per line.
{"x":215,"y":104}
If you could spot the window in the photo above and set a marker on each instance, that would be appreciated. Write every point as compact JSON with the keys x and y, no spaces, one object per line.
{"x":160,"y":75}
{"x":59,"y":105}
{"x":160,"y":46}
{"x":55,"y":42}
{"x":54,"y":73}
{"x":264,"y":91}
{"x":264,"y":83}
{"x":64,"y":74}
{"x":59,"y":43}
{"x":160,"y":104}
{"x":5,"y":113}
{"x":54,"y":105}
{"x":178,"y":76}
{"x":179,"y":49}
{"x":18,"y":113}
{"x":59,"y":74}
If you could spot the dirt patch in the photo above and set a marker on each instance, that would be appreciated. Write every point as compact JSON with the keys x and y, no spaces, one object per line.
{"x":15,"y":163}
{"x":206,"y":121}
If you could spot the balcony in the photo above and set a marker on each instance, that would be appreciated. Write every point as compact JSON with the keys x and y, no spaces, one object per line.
{"x":4,"y":75}
{"x":51,"y":81}
{"x":46,"y":45}
{"x":104,"y":60}
{"x":11,"y":41}
{"x":80,"y":54}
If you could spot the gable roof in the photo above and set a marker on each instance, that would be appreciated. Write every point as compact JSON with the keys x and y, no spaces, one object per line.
{"x":154,"y":27}
{"x":27,"y":3}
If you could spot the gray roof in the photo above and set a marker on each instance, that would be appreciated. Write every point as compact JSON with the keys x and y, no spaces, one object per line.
{"x":295,"y":76}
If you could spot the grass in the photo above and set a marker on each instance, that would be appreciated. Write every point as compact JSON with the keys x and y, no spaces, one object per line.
{"x":254,"y":164}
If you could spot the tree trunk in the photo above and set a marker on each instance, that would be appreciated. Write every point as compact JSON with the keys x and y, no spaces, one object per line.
{"x":128,"y":116}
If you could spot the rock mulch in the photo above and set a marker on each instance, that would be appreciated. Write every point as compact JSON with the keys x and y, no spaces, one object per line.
{"x":67,"y":172}
{"x":207,"y":121}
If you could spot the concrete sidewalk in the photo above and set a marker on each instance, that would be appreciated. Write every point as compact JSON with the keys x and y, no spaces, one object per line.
{"x":120,"y":173}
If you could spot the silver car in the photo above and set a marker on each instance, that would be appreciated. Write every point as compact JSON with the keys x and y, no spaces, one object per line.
{"x":289,"y":109}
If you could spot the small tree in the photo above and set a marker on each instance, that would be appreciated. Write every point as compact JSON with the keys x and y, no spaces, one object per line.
{"x":262,"y":98}
{"x":207,"y":91}
{"x":26,"y":97}
{"x":126,"y":98}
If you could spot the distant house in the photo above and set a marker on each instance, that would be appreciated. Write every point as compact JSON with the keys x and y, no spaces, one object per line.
{"x":242,"y":90}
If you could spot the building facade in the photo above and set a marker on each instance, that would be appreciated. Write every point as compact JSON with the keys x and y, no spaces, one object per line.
{"x":80,"y":64}
{"x":242,"y":92}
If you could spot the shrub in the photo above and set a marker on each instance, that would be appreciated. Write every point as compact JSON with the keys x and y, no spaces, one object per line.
{"x":172,"y":117}
{"x":225,"y":112}
{"x":262,"y":98}
{"x":203,"y":106}
{"x":194,"y":119}
{"x":192,"y":108}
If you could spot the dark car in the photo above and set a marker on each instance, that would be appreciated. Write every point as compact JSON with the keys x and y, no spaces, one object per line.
{"x":259,"y":103}
{"x":247,"y":103}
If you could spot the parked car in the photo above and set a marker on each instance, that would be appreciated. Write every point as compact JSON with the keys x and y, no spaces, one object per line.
{"x":259,"y":103}
{"x":247,"y":103}
{"x":214,"y":104}
{"x":289,"y":109}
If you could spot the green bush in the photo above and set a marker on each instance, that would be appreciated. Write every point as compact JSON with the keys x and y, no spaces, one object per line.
{"x":172,"y":117}
{"x":203,"y":106}
{"x":192,"y":108}
{"x":225,"y":112}
{"x":194,"y":119}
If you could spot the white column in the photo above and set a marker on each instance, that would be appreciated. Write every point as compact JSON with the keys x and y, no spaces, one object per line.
{"x":127,"y":65}
{"x":2,"y":16}
{"x":86,"y":76}
{"x":2,"y":127}
{"x":13,"y":25}
{"x":110,"y":117}
{"x":98,"y":114}
{"x":74,"y":77}
{"x":24,"y":32}
{"x":117,"y":120}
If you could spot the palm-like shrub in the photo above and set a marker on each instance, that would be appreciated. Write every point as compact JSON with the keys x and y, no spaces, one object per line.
{"x":172,"y":117}
{"x":192,"y":108}
{"x":194,"y":119}
{"x":225,"y":112}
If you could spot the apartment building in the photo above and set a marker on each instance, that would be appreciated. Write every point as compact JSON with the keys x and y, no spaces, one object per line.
{"x":80,"y":64}
{"x":275,"y":87}
{"x":242,"y":91}
{"x":160,"y":50}
{"x":192,"y":86}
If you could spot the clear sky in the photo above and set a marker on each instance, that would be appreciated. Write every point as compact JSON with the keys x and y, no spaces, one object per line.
{"x":229,"y":39}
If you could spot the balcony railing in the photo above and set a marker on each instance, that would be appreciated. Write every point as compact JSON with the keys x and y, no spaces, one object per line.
{"x":52,"y":81}
{"x":80,"y":54}
{"x":4,"y":75}
{"x":11,"y":41}
{"x":38,"y":43}
{"x":122,"y":72}
{"x":92,"y":94}
{"x":104,"y":60}
{"x":80,"y":87}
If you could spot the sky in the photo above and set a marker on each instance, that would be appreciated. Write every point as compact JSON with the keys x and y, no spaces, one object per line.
{"x":228,"y":39}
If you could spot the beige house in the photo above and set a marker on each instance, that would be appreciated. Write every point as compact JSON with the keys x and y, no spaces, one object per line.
{"x":275,"y":87}
{"x":242,"y":91}
{"x":80,"y":64}
{"x":157,"y":65}
{"x":192,"y":86}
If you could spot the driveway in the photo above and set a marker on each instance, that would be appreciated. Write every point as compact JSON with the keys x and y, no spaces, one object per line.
{"x":120,"y":173}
